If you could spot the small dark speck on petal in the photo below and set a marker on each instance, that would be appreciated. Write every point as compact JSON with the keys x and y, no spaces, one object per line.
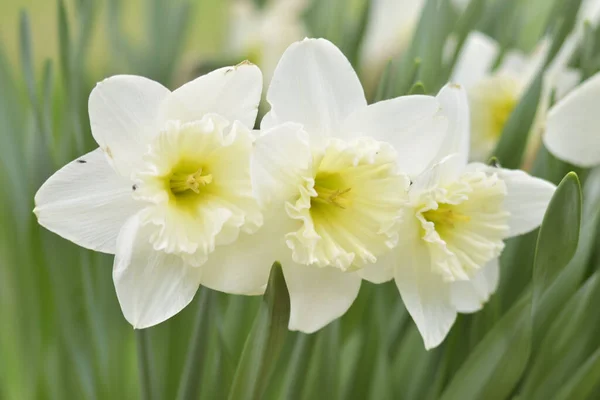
{"x":81,"y":161}
{"x":134,"y":187}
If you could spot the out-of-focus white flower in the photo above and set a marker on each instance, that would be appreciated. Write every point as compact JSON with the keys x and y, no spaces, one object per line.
{"x":573,"y":126}
{"x":262,"y":34}
{"x":457,"y":218}
{"x":589,"y":11}
{"x":330,"y":172}
{"x":494,"y":94}
{"x":168,"y":190}
{"x":389,"y":31}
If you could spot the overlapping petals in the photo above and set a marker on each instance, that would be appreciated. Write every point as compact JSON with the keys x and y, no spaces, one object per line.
{"x":169,"y":184}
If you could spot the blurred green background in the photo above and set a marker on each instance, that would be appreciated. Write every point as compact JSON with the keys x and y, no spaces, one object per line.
{"x":62,"y":334}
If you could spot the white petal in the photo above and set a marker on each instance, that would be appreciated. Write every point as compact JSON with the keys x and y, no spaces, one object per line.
{"x":382,"y":270}
{"x":124,"y":116}
{"x":443,"y":173}
{"x":425,"y":294}
{"x":281,"y":157}
{"x":244,"y":266}
{"x":572,"y":127}
{"x":476,"y":59}
{"x":231,"y":92}
{"x":455,"y":106}
{"x":151,"y":286}
{"x":470,"y":296}
{"x":318,"y":296}
{"x":527,"y":198}
{"x":412,"y":124}
{"x":86,"y":202}
{"x":314,"y":85}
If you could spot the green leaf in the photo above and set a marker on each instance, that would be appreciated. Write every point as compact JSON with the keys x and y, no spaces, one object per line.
{"x":356,"y":34}
{"x":466,"y":23}
{"x":145,"y":364}
{"x":572,"y":336}
{"x":557,"y":243}
{"x":297,"y":367}
{"x":198,"y":349}
{"x":264,"y":342}
{"x":583,"y":382}
{"x":511,"y":146}
{"x":496,"y":364}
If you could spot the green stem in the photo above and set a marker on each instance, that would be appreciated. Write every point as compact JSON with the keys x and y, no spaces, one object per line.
{"x":198,"y":350}
{"x":144,"y":363}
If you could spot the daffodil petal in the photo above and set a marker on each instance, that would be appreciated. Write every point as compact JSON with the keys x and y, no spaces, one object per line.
{"x":476,"y":59}
{"x":244,"y":267}
{"x":446,"y":171}
{"x":281,"y":159}
{"x":382,"y":270}
{"x":318,"y":295}
{"x":455,"y":106}
{"x":424,"y":293}
{"x":572,"y":126}
{"x":526,"y":200}
{"x":413,"y":124}
{"x":231,"y":92}
{"x":314,"y":85}
{"x":124,"y":113}
{"x":470,"y":296}
{"x":151,"y":286}
{"x":86,"y":202}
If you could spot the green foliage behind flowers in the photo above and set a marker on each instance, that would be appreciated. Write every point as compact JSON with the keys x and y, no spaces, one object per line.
{"x":62,"y":334}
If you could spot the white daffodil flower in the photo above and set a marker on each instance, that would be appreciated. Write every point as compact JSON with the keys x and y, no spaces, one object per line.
{"x":572,"y":129}
{"x":262,"y":34}
{"x":494,"y":94}
{"x":457,"y":218}
{"x":169,"y":185}
{"x":330,"y":172}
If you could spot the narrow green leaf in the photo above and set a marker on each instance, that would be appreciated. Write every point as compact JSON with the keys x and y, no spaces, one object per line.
{"x":495,"y":365}
{"x":264,"y":342}
{"x":568,"y":281}
{"x":27,"y":58}
{"x":466,"y":23}
{"x":145,"y":364}
{"x":64,"y":45}
{"x":385,"y":83}
{"x":198,"y":349}
{"x":557,"y":243}
{"x":356,"y":34}
{"x":572,"y":336}
{"x":298,"y":367}
{"x":583,"y":382}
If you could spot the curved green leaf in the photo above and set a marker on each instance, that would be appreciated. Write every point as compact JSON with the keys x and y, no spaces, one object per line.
{"x":583,"y":382}
{"x":264,"y":342}
{"x":557,"y":243}
{"x":496,"y":364}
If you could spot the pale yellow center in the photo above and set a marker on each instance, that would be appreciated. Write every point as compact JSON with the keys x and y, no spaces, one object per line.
{"x":501,"y":108}
{"x":182,"y":181}
{"x":445,"y":217}
{"x":331,"y":191}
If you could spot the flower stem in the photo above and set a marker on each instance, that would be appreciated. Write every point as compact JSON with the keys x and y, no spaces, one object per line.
{"x":144,"y":363}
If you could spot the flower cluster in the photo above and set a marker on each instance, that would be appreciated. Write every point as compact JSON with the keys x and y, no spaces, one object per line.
{"x":185,"y":193}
